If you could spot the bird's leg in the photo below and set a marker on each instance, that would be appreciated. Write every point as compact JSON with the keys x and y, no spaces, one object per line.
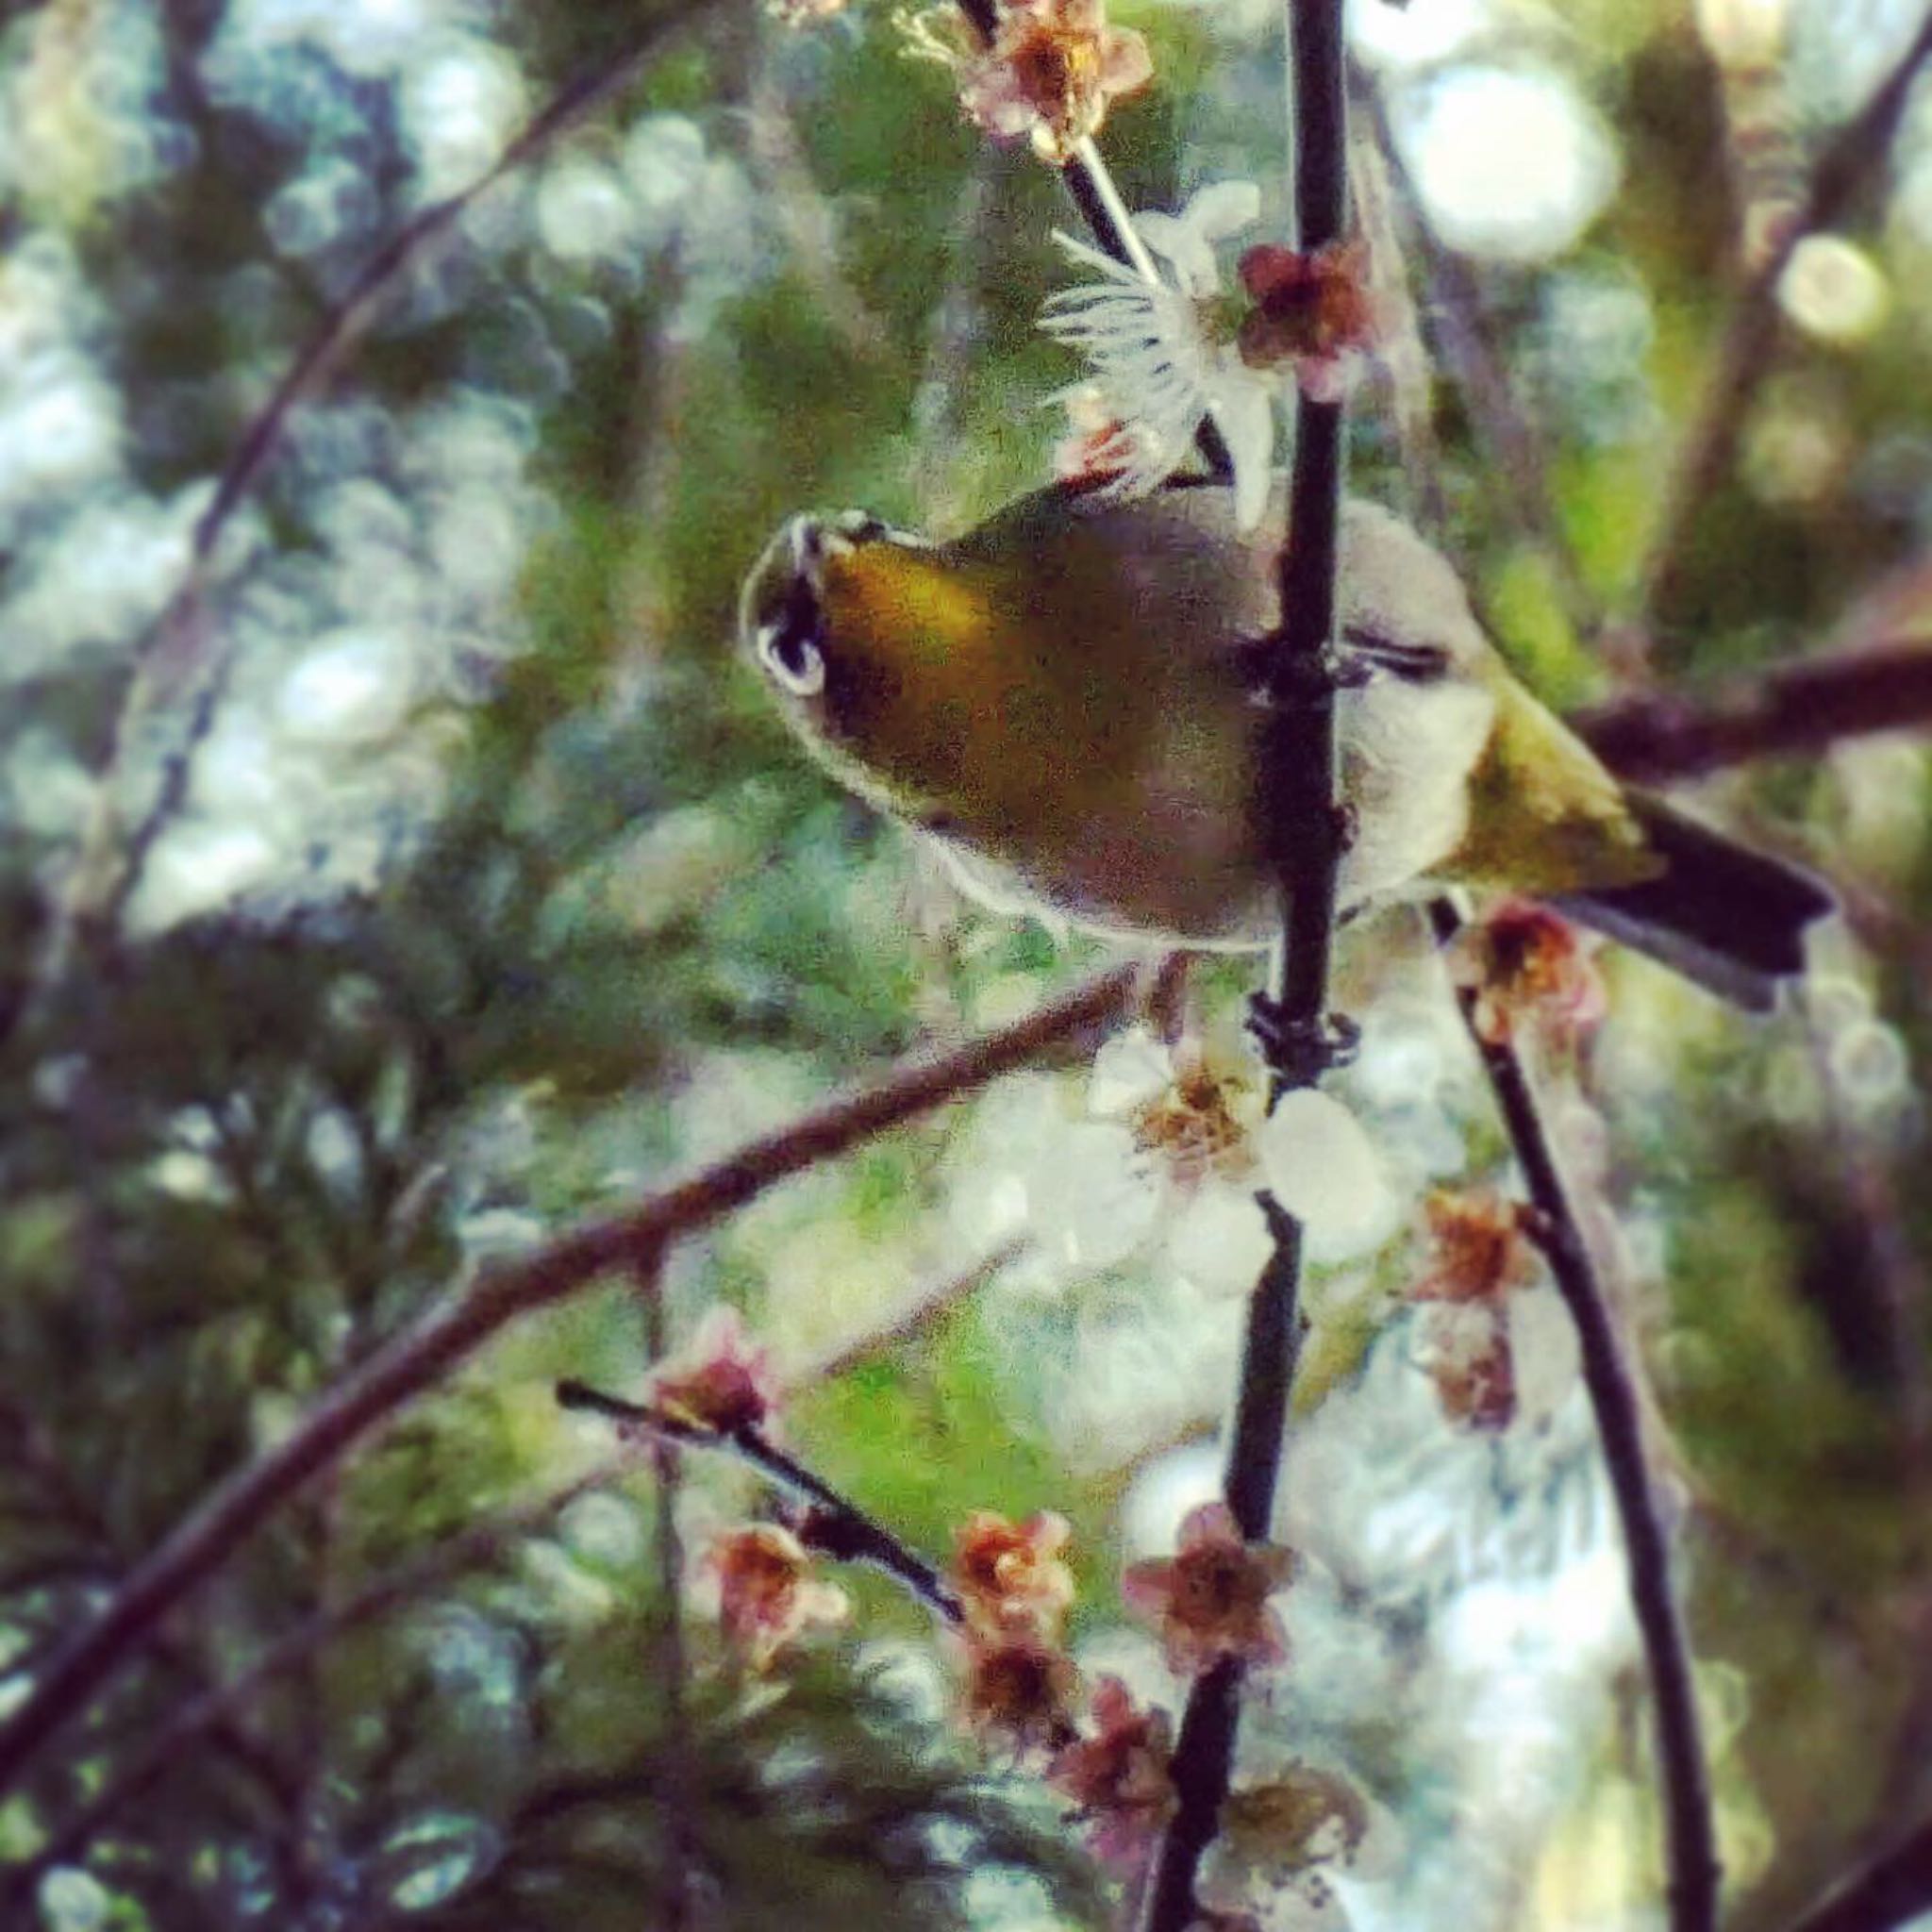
{"x":1302,"y":679}
{"x":1299,"y":1051}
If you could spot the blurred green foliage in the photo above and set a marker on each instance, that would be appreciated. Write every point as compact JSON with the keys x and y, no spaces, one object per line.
{"x":577,"y":916}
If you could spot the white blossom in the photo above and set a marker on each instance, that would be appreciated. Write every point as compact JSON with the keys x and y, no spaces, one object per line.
{"x":1323,"y":1169}
{"x":1163,"y":355}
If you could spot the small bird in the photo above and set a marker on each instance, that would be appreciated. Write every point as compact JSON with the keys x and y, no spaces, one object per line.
{"x":1066,"y":700}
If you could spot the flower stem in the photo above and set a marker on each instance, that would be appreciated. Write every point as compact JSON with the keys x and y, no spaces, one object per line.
{"x":1690,"y":1849}
{"x":844,"y":1530}
{"x":1090,"y":186}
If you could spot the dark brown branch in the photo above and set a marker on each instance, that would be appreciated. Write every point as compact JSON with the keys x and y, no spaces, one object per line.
{"x":1894,"y":1888}
{"x":1690,"y":1849}
{"x":1791,"y":709}
{"x":421,"y":1356}
{"x":841,"y":1528}
{"x":1298,"y":781}
{"x":1751,"y":336}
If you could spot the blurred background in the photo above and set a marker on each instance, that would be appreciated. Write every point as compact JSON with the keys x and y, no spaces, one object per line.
{"x":434,"y":875}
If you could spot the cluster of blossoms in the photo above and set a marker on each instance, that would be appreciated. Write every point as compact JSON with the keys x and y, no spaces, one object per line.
{"x":1190,"y":1125}
{"x":1163,"y":1162}
{"x":1009,"y":1589}
{"x":1168,"y":351}
{"x":1048,"y":72}
{"x":1529,"y":972}
{"x":1481,"y":1251}
{"x":758,"y":1578}
{"x":1015,"y":1590}
{"x":1210,"y":1603}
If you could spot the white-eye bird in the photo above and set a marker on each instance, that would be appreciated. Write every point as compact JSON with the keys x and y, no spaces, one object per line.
{"x":1065,"y":699}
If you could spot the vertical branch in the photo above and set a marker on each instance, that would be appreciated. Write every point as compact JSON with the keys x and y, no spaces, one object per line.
{"x":1298,"y":754}
{"x":1297,"y":803}
{"x":1890,"y":1891}
{"x":1691,"y":1850}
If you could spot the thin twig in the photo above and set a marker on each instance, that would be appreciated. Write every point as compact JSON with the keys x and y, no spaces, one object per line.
{"x":1298,"y":784}
{"x":1298,"y":749}
{"x":1503,"y":433}
{"x":1751,"y":336}
{"x":1690,"y":1849}
{"x":171,"y":656}
{"x":1794,"y":708}
{"x":1090,"y":185}
{"x":421,"y":1356}
{"x":481,"y":1545}
{"x":920,"y":1310}
{"x":842,"y":1529}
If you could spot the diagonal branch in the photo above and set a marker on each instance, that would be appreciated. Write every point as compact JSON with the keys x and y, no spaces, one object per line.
{"x":1751,"y":336}
{"x":1894,"y":1888}
{"x":173,"y":653}
{"x":843,"y":1529}
{"x":1690,"y":1848}
{"x":421,"y":1356}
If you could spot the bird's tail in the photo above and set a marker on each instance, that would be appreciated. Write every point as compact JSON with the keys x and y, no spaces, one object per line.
{"x":1728,"y":918}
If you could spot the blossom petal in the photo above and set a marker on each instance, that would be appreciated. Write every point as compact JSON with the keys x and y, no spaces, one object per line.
{"x":1124,"y":61}
{"x":1189,"y":253}
{"x":1222,"y":208}
{"x":1129,"y":1071}
{"x":1244,"y":413}
{"x":1207,"y":1524}
{"x":1324,"y":1169}
{"x":1146,"y":1586}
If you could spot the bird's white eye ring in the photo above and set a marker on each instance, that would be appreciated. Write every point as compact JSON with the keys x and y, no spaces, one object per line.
{"x":793,"y":662}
